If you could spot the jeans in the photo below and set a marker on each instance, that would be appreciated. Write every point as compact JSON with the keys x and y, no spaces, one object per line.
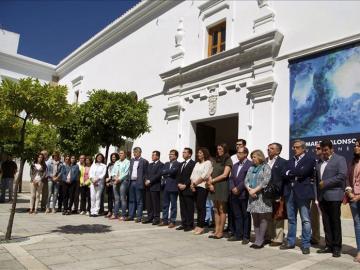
{"x":170,"y":197}
{"x":135,"y":200}
{"x":53,"y":189}
{"x":209,"y":210}
{"x":120,"y":192}
{"x":7,"y":183}
{"x":69,"y":195}
{"x":355,"y":210}
{"x":293,"y":204}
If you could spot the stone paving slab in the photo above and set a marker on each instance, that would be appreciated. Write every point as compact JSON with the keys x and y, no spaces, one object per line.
{"x":79,"y":242}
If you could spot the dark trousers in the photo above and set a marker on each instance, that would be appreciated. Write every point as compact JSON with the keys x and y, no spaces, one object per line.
{"x":61,"y":195}
{"x":44,"y":195}
{"x":331,"y":212}
{"x":110,"y":197}
{"x":77,"y":196}
{"x":230,"y":217}
{"x":169,"y":197}
{"x":200,"y":200}
{"x":85,"y":199}
{"x":153,"y":205}
{"x":187,"y":210}
{"x":241,"y":217}
{"x":69,"y":194}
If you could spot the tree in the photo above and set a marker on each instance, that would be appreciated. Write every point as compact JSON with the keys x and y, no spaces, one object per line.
{"x":75,"y":136}
{"x":24,"y":101}
{"x":111,"y":117}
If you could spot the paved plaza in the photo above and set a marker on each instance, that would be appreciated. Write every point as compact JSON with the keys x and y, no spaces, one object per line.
{"x":78,"y":242}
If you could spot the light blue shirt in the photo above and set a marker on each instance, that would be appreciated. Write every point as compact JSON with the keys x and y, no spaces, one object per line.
{"x":121,"y":169}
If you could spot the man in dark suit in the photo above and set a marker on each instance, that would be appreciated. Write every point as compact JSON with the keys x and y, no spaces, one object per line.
{"x":275,"y":231}
{"x":169,"y":173}
{"x":137,"y":172}
{"x":331,"y":174}
{"x":153,"y":184}
{"x":239,"y":197}
{"x":298,"y":193}
{"x":185,"y":193}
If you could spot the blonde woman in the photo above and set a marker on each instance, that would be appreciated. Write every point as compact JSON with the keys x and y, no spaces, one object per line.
{"x":257,"y":178}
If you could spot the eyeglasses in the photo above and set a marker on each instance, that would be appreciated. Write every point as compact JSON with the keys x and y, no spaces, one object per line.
{"x":239,"y":144}
{"x":296,"y":147}
{"x":318,"y":148}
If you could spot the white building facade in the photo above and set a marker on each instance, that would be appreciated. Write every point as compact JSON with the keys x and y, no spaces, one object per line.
{"x":198,"y":97}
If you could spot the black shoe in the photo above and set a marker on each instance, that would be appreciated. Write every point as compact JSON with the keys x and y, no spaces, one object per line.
{"x":156,"y":223}
{"x":211,"y":236}
{"x":211,"y":225}
{"x":146,"y":221}
{"x":233,"y":239}
{"x":305,"y":251}
{"x":218,"y":237}
{"x":180,"y":228}
{"x":324,"y":250}
{"x":91,"y":215}
{"x":336,"y":253}
{"x":267,"y":242}
{"x":189,"y":229}
{"x":245,"y":241}
{"x":254,"y":246}
{"x":285,"y":246}
{"x":64,"y":213}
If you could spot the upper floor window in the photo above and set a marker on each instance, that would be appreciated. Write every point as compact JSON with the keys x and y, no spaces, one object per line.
{"x":217,"y":37}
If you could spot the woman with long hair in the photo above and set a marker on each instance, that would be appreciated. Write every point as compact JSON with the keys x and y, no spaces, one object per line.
{"x":353,"y":193}
{"x":37,"y":173}
{"x":218,"y":185}
{"x":85,"y":188}
{"x":97,"y":174}
{"x":109,"y":182}
{"x":202,"y":171}
{"x":257,"y":178}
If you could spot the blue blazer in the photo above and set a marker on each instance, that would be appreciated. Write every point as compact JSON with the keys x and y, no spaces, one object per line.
{"x":298,"y":178}
{"x":278,"y":171}
{"x":239,"y":181}
{"x":169,"y":176}
{"x":153,"y":174}
{"x":334,"y":178}
{"x":141,"y":172}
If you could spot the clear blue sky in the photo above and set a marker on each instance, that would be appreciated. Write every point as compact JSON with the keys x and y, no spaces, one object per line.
{"x":51,"y":29}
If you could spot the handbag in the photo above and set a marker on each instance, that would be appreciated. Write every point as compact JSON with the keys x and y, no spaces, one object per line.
{"x":279,"y":212}
{"x":271,"y":191}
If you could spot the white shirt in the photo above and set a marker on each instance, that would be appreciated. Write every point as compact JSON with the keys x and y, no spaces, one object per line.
{"x":201,"y":170}
{"x":97,"y":171}
{"x":271,"y":162}
{"x":298,"y":159}
{"x":134,"y":170}
{"x":323,"y":166}
{"x":234,"y":159}
{"x":241,"y":164}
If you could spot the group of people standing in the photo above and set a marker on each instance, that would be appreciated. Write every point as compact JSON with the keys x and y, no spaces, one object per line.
{"x":259,"y":190}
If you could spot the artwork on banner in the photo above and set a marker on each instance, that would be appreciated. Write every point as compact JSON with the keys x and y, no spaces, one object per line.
{"x":325,"y":98}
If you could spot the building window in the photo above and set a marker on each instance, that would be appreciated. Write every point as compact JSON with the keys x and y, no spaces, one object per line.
{"x":217,"y":37}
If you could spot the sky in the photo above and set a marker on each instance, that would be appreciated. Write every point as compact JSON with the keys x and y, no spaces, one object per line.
{"x":51,"y":29}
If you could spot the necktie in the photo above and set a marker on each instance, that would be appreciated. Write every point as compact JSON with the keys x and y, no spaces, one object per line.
{"x":183,"y":166}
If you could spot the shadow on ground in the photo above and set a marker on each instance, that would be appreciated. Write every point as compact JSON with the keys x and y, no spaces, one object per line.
{"x":82,"y":229}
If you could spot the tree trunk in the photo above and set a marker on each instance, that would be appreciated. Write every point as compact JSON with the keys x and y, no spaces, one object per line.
{"x":22,"y":163}
{"x":13,"y":208}
{"x":106,"y":153}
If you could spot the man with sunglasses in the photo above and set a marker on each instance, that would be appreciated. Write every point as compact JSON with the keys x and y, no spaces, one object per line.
{"x":298,"y":193}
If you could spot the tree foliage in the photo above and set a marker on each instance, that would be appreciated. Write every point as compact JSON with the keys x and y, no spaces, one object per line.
{"x":23,"y":103}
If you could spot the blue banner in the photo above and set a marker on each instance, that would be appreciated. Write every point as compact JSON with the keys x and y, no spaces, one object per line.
{"x":325,"y":98}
